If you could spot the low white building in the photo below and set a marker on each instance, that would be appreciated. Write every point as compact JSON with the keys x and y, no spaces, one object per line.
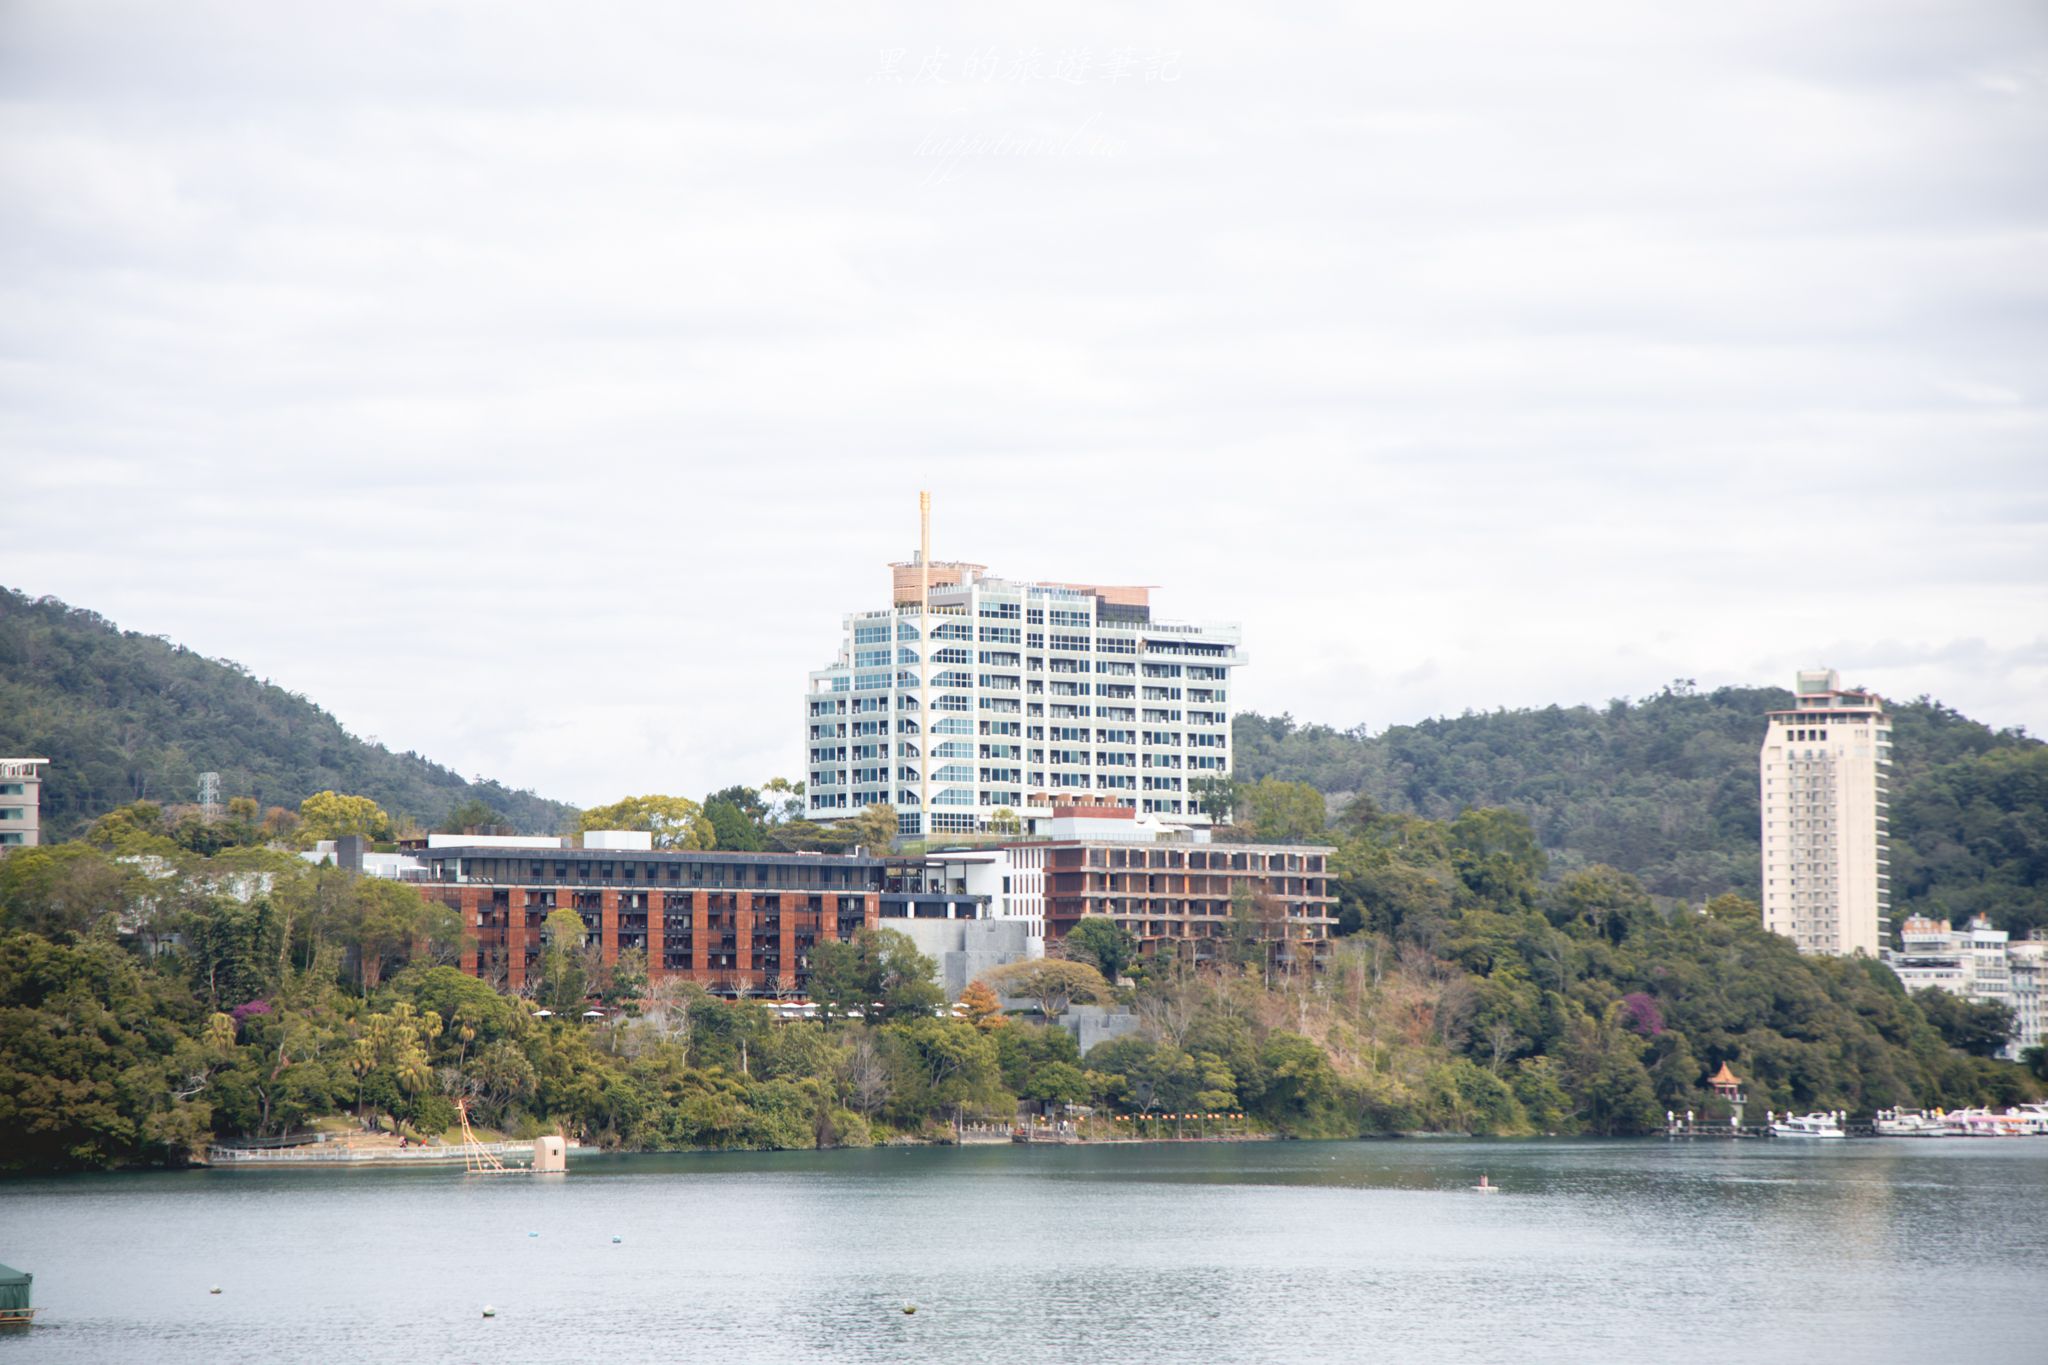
{"x":21,"y":802}
{"x":354,"y":854}
{"x":1977,"y":962}
{"x":2027,"y":960}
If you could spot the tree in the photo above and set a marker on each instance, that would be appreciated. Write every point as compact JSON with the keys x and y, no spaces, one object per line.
{"x":1980,"y":1028}
{"x":939,"y":1064}
{"x":383,"y":922}
{"x":841,"y":984}
{"x":331,"y":815}
{"x":1734,"y":909}
{"x":228,"y":943}
{"x":670,"y":1000}
{"x":1285,"y":812}
{"x":1049,"y":983}
{"x":96,"y":1059}
{"x":908,"y":978}
{"x":676,"y":822}
{"x":1497,"y":855}
{"x":564,"y":976}
{"x":878,"y":974}
{"x":784,"y":800}
{"x":1101,"y":943}
{"x":1003,"y":820}
{"x":866,"y":1073}
{"x":1058,"y":1083}
{"x":137,"y":827}
{"x":1217,"y":796}
{"x":64,"y":891}
{"x":739,"y":818}
{"x":732,"y":826}
{"x":469,"y":815}
{"x":1601,"y":898}
{"x":621,"y":984}
{"x":874,"y":829}
{"x":1257,"y":920}
{"x":982,"y":1007}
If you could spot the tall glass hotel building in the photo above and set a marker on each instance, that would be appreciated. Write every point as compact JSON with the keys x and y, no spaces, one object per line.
{"x":1011,"y":696}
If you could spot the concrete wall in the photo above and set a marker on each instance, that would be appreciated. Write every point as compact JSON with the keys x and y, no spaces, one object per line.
{"x":1092,"y":1024}
{"x":965,"y":948}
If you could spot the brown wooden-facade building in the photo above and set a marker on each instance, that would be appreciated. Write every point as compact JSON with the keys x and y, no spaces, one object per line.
{"x":1175,"y":897}
{"x":741,"y":923}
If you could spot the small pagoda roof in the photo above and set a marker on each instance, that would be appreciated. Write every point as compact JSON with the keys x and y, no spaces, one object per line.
{"x":1723,"y":1077}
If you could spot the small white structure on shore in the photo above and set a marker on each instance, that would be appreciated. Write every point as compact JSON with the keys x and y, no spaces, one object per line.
{"x":550,"y":1155}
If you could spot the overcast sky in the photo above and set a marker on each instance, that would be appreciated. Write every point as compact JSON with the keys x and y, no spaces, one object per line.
{"x":536,"y":386}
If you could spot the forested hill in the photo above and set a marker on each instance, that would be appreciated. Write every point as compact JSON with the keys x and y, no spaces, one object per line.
{"x":124,"y":717}
{"x":1666,"y":788}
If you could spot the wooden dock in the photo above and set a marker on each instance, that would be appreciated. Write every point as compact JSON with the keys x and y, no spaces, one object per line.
{"x":1682,"y":1130}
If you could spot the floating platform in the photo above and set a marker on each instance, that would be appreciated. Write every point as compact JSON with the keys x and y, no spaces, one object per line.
{"x":340,"y":1154}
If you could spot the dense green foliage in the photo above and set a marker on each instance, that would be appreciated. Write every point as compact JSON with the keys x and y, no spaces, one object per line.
{"x":153,"y":998}
{"x":126,"y":717}
{"x":152,"y":1003}
{"x":172,"y":980}
{"x":1477,"y":994}
{"x":1666,"y":788}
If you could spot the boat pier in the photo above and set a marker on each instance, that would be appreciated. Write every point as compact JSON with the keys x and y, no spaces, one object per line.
{"x":1685,"y":1126}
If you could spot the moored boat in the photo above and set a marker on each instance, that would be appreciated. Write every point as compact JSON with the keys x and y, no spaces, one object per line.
{"x":1912,"y":1123}
{"x":1983,"y":1123}
{"x":2033,"y":1118}
{"x":15,"y":1308}
{"x":1816,"y":1125}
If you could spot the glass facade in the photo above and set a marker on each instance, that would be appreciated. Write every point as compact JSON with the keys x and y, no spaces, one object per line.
{"x":1063,"y":692}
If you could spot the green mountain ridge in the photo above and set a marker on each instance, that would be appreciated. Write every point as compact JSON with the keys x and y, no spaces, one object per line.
{"x":1663,"y":787}
{"x":125,"y":716}
{"x":1666,"y":788}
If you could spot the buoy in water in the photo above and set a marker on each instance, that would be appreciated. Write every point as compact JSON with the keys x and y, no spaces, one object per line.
{"x":214,"y":1290}
{"x":617,"y":1240}
{"x":489,"y":1311}
{"x":533,"y":1234}
{"x":909,"y":1308}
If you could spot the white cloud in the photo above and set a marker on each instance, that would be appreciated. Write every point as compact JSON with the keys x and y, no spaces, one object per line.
{"x":537,"y":394}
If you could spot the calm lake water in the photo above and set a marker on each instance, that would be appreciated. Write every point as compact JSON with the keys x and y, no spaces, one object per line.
{"x":1340,"y":1251}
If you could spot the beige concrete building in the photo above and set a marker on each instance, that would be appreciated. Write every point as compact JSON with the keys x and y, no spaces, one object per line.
{"x":21,"y":801}
{"x":1823,"y":770}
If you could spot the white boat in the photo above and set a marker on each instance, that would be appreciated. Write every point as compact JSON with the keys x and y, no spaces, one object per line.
{"x":1808,"y":1126}
{"x":1912,"y":1123}
{"x":1982,"y":1123}
{"x":2033,"y":1118}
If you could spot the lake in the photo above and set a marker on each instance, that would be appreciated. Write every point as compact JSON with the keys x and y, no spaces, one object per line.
{"x":1881,"y":1250}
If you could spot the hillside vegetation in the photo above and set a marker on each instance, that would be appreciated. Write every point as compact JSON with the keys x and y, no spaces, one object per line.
{"x":126,"y":717}
{"x":150,"y":1006}
{"x":1665,"y":788}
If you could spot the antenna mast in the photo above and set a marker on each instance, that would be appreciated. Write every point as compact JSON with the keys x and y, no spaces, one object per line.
{"x":924,"y":654}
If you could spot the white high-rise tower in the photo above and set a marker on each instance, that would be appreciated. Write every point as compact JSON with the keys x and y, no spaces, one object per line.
{"x":1823,"y":767}
{"x":971,"y":695}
